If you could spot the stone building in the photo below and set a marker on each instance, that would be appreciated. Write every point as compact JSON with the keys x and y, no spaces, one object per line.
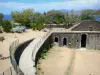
{"x":84,"y":35}
{"x":88,"y":26}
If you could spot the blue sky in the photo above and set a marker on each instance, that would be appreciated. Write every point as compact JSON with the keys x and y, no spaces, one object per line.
{"x":33,"y":1}
{"x":6,"y":6}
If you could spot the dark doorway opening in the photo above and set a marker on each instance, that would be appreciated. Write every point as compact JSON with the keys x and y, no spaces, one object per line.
{"x":56,"y":39}
{"x":83,"y":40}
{"x":64,"y":41}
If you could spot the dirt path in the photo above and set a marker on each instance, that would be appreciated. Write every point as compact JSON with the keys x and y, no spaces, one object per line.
{"x":57,"y":61}
{"x":87,"y":63}
{"x":64,"y":61}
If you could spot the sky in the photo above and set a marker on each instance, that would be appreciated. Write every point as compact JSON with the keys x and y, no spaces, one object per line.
{"x":6,"y":6}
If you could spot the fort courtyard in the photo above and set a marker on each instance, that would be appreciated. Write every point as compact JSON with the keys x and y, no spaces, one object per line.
{"x":49,"y":37}
{"x":66,"y":61}
{"x":57,"y":51}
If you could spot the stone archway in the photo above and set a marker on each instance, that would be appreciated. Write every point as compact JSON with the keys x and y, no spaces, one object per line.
{"x":83,"y":40}
{"x":56,"y":39}
{"x":64,"y":41}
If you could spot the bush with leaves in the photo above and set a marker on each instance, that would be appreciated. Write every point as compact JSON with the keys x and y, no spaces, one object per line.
{"x":36,"y":26}
{"x":7,"y":25}
{"x":40,"y":26}
{"x":87,"y":15}
{"x":23,"y":17}
{"x":44,"y":53}
{"x":33,"y":25}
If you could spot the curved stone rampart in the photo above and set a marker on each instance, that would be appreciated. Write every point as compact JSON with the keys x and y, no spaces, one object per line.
{"x":16,"y":50}
{"x":12,"y":50}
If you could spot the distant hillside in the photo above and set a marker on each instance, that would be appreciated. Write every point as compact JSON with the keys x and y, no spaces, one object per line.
{"x":7,"y":17}
{"x":64,"y":10}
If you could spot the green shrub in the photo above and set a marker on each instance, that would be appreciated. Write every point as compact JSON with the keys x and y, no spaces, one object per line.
{"x":44,"y":51}
{"x":7,"y":25}
{"x":40,"y":26}
{"x":36,"y":26}
{"x":44,"y":54}
{"x":33,"y":25}
{"x":0,"y":24}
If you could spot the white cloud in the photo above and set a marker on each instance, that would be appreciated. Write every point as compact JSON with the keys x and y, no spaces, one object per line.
{"x":73,"y":4}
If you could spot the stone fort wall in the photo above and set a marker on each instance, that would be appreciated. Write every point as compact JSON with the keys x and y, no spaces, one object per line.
{"x":74,"y":39}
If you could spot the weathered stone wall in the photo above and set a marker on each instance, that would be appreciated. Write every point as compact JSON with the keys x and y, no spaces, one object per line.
{"x":87,"y":25}
{"x":93,"y":41}
{"x":20,"y":49}
{"x":55,"y":26}
{"x":74,"y":39}
{"x":47,"y":44}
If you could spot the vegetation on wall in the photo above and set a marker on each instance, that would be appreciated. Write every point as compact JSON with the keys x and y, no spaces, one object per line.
{"x":44,"y":54}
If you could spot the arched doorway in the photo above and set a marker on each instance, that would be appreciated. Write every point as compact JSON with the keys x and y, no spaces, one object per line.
{"x":64,"y":41}
{"x":83,"y":40}
{"x":56,"y":39}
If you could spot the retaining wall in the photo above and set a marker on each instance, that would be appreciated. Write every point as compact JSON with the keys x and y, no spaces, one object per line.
{"x":20,"y":49}
{"x":16,"y":50}
{"x":47,"y":44}
{"x":12,"y":50}
{"x":55,"y":26}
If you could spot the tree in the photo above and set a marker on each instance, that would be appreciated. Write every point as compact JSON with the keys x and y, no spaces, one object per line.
{"x":55,"y":16}
{"x":7,"y":25}
{"x":38,"y":18}
{"x":38,"y":21}
{"x":1,"y":16}
{"x":23,"y":17}
{"x":70,"y":18}
{"x":87,"y":15}
{"x":33,"y":25}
